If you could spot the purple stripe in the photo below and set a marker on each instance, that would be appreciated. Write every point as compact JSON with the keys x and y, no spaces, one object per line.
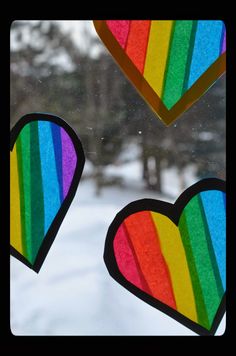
{"x":224,"y":43}
{"x":69,"y":161}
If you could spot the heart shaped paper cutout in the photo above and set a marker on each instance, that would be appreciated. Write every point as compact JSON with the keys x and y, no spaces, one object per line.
{"x":46,"y":163}
{"x":173,"y":256}
{"x":171,"y":63}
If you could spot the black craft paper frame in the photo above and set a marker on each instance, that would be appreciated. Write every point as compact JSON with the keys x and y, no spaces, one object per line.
{"x":56,"y":223}
{"x":172,"y":211}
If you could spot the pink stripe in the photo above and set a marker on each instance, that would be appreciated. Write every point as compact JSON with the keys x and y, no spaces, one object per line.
{"x":69,"y":161}
{"x":120,"y":30}
{"x":224,"y":43}
{"x":125,"y":258}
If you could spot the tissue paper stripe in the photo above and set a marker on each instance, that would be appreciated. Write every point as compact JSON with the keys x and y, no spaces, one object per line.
{"x":206,"y":48}
{"x":156,"y":57}
{"x":214,"y":208}
{"x":120,"y":30}
{"x":174,"y":255}
{"x":15,"y":221}
{"x":51,"y":192}
{"x":69,"y":161}
{"x":202,"y":258}
{"x":137,"y":42}
{"x":196,"y":283}
{"x":127,"y":262}
{"x":26,"y":178}
{"x":223,"y":46}
{"x":214,"y":264}
{"x":37,"y":202}
{"x":21,"y":189}
{"x":152,"y":265}
{"x":56,"y":134}
{"x":177,"y":61}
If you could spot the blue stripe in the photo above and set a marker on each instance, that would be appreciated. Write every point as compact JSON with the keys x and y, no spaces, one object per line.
{"x":51,"y":191}
{"x":224,"y":195}
{"x":214,"y":208}
{"x":206,"y":48}
{"x":56,"y":135}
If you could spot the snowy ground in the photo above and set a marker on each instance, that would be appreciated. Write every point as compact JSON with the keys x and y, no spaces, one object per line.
{"x":73,"y":294}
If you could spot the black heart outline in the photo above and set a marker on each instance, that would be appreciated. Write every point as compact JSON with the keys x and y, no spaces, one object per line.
{"x":172,"y":211}
{"x":57,"y":221}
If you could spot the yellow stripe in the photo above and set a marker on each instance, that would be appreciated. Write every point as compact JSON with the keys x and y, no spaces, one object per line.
{"x":15,"y":217}
{"x":157,"y":53}
{"x":174,"y":255}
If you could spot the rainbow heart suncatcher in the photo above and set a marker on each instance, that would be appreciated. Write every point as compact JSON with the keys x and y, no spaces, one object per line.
{"x":173,"y":256}
{"x":171,"y":63}
{"x":46,"y":163}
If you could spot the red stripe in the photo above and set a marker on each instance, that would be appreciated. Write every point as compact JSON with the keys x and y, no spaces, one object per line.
{"x":137,"y":42}
{"x":120,"y":30}
{"x":142,"y":234}
{"x":126,"y":259}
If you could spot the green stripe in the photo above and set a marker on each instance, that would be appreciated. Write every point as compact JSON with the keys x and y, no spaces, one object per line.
{"x":25,"y":150}
{"x":199,"y":299}
{"x":190,"y":54}
{"x":202,"y":258}
{"x":168,"y":58}
{"x":176,"y":66}
{"x":37,"y":205}
{"x":21,"y":189}
{"x":211,"y":250}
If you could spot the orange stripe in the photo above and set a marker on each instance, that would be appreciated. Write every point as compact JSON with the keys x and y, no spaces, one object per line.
{"x":143,"y":236}
{"x":137,"y":42}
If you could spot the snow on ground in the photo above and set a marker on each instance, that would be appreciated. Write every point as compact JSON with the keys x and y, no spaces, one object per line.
{"x":131,"y":173}
{"x":73,"y":294}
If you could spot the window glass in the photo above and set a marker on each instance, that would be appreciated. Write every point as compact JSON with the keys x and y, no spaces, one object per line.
{"x":62,"y":67}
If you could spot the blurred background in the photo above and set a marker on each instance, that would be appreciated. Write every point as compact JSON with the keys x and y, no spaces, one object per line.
{"x":61,"y":67}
